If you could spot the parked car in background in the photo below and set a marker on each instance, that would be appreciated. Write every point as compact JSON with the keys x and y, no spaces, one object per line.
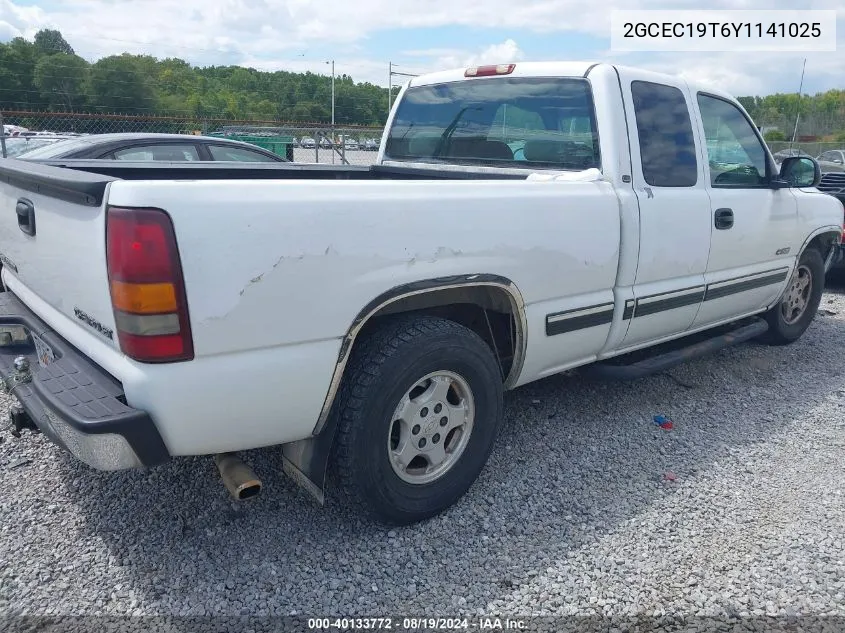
{"x":371,"y":145}
{"x":326,"y":142}
{"x":13,"y":130}
{"x":17,"y":145}
{"x":785,"y":153}
{"x":306,"y":142}
{"x":833,"y":160}
{"x":833,"y":183}
{"x":350,"y":144}
{"x":154,"y":147}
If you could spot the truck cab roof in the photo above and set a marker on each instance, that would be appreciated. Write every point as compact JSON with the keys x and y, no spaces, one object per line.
{"x":561,"y":69}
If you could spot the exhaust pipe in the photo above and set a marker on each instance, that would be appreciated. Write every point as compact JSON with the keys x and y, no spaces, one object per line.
{"x":239,"y":478}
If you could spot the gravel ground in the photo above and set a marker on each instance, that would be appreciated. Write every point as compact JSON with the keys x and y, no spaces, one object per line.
{"x":585,"y":508}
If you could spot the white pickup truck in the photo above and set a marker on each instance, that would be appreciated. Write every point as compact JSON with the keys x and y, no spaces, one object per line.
{"x":521,"y":220}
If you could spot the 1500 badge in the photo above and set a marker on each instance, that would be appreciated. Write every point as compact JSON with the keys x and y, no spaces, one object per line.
{"x":93,"y":323}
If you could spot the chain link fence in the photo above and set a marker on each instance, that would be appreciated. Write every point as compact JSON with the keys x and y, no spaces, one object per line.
{"x":813,"y":149}
{"x":301,"y":142}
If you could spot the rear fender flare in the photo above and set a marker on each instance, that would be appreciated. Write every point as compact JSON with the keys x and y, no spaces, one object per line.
{"x":306,"y":460}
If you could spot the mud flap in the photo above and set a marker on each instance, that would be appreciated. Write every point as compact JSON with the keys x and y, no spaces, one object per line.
{"x":306,"y":461}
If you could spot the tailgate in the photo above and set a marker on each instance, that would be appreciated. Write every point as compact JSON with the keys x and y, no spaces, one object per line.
{"x":52,"y":239}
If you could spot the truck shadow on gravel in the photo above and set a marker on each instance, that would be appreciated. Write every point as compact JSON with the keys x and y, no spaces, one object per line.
{"x":576,"y":459}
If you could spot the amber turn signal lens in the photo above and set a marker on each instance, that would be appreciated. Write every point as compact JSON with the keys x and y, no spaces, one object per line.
{"x":143,"y":298}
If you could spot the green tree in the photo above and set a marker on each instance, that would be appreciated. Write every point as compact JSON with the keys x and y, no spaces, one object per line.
{"x":750,"y":104}
{"x":30,"y":78}
{"x":49,"y":42}
{"x":17,"y":70}
{"x":265,"y":110}
{"x":116,"y":84}
{"x":61,"y":78}
{"x":774,"y":135}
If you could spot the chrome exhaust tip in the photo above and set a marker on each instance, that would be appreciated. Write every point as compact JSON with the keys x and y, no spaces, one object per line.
{"x":239,"y":479}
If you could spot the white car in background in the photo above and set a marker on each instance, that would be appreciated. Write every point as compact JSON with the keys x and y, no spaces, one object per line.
{"x":18,"y":145}
{"x":13,"y":130}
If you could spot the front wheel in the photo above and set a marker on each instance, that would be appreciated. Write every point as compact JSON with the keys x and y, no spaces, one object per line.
{"x":791,"y":317}
{"x":419,"y":412}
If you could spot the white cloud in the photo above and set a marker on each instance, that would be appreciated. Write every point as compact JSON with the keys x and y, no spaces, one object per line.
{"x":432,"y":52}
{"x":7,"y":31}
{"x":274,"y":34}
{"x":748,"y":74}
{"x":507,"y":51}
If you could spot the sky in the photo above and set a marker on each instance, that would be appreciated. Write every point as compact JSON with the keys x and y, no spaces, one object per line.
{"x":363,"y":36}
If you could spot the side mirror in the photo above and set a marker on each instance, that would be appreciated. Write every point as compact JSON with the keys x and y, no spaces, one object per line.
{"x":799,"y":171}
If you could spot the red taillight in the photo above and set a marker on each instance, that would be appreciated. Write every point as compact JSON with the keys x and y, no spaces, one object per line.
{"x":146,"y":285}
{"x":487,"y":71}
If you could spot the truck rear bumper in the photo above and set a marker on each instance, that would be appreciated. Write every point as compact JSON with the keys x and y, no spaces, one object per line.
{"x":73,"y":401}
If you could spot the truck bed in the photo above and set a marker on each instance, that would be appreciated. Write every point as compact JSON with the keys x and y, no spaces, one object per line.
{"x":277,"y":269}
{"x":34,"y":171}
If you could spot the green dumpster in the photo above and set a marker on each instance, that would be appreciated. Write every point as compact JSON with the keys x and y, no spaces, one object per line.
{"x":279,"y":145}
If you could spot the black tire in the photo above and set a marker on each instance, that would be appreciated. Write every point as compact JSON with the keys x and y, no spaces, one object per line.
{"x":383,"y":367}
{"x":780,"y":331}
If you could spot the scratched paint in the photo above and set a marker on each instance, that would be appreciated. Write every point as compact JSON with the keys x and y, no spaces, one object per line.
{"x":316,"y":252}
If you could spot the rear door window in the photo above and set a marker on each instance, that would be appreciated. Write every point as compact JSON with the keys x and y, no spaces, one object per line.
{"x":664,"y":130}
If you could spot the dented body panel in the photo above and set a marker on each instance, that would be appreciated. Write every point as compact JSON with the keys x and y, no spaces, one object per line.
{"x":271,"y":304}
{"x":304,"y":249}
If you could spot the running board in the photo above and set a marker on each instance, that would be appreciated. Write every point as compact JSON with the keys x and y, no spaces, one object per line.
{"x":663,"y":361}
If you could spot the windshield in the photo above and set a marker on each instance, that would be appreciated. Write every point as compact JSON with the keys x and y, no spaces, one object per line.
{"x":501,"y":121}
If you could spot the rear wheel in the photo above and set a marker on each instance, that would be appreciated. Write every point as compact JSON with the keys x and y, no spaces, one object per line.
{"x":791,"y":317}
{"x":419,"y":413}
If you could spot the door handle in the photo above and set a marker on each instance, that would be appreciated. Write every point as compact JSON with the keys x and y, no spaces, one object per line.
{"x":724,"y":219}
{"x":26,"y":216}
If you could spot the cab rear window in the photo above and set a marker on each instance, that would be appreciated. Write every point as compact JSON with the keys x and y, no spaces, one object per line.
{"x":498,"y":121}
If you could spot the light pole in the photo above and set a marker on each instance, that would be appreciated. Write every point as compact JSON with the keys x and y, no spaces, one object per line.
{"x":2,"y":137}
{"x":333,"y":139}
{"x":332,"y":63}
{"x":390,"y":84}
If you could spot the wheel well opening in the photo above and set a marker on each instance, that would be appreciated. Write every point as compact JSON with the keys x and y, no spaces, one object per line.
{"x":487,"y":310}
{"x":824,"y":242}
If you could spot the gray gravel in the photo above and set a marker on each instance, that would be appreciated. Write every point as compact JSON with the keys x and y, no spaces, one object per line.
{"x":574,"y":514}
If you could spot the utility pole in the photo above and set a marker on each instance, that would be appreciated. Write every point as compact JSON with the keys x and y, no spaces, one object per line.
{"x":332,"y":96}
{"x":333,"y":136}
{"x":2,"y":136}
{"x":390,"y":85}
